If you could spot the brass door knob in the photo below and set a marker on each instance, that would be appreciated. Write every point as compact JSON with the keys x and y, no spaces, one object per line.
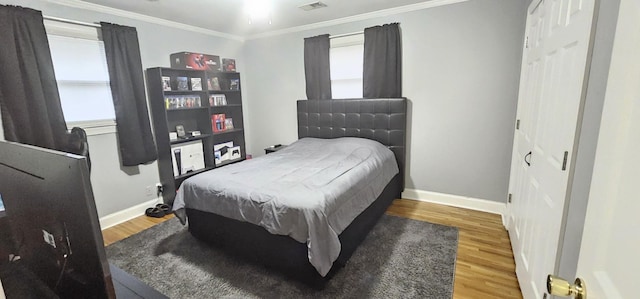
{"x":560,"y":287}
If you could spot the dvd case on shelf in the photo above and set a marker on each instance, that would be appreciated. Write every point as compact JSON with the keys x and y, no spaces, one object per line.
{"x":217,"y":123}
{"x":213,"y":83}
{"x":179,"y":102}
{"x":166,"y":83}
{"x":228,"y":65}
{"x":234,"y":84}
{"x":228,"y":123}
{"x":182,"y":83}
{"x":196,"y":84}
{"x":217,"y":100}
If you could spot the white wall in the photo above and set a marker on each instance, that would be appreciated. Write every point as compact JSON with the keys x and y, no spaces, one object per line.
{"x":115,"y":187}
{"x":461,"y":67}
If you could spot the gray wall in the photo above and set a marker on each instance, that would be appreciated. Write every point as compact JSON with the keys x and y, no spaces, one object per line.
{"x":461,"y":70}
{"x":117,"y":188}
{"x":461,"y":67}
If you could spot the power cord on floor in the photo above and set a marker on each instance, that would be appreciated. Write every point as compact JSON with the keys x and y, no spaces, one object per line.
{"x":64,"y":267}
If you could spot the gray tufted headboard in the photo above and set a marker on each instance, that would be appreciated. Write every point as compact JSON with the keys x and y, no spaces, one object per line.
{"x":383,"y":120}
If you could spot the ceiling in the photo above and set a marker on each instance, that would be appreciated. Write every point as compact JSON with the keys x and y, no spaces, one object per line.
{"x":228,"y":16}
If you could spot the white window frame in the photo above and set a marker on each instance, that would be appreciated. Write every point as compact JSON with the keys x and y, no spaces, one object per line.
{"x":59,"y":28}
{"x":348,"y":41}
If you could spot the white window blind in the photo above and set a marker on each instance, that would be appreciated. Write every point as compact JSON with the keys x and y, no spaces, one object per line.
{"x":346,"y":57}
{"x":80,"y":66}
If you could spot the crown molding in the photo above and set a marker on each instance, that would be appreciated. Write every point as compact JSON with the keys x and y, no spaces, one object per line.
{"x":132,"y":15}
{"x":154,"y":20}
{"x":360,"y":17}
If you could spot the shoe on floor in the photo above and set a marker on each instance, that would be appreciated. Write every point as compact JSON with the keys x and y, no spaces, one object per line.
{"x":165,"y":208}
{"x":154,"y":212}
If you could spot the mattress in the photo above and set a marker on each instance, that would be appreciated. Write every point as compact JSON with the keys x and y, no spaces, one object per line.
{"x":310,"y":191}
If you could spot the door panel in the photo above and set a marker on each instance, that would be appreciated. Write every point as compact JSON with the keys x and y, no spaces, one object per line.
{"x":551,"y":88}
{"x":608,"y":256}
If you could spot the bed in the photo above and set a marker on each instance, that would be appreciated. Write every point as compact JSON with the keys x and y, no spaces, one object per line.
{"x":244,"y":209}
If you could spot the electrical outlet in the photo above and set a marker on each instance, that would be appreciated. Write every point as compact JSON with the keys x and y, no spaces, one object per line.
{"x":159,"y":189}
{"x":149,"y":191}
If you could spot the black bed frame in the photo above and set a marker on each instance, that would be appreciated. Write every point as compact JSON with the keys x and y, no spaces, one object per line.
{"x":383,"y":120}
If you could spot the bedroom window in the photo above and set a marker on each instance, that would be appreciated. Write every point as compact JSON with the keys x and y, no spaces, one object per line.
{"x":80,"y":66}
{"x":346,"y":57}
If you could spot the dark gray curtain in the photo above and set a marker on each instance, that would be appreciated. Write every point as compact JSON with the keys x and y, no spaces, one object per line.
{"x":29,"y":99}
{"x":316,"y":67}
{"x":127,"y":86}
{"x":382,"y":74}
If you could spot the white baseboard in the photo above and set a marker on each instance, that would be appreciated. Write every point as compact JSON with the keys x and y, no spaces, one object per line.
{"x":127,"y":214}
{"x":470,"y":203}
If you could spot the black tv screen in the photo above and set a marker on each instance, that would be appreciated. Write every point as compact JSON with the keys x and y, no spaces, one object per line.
{"x":51,"y":210}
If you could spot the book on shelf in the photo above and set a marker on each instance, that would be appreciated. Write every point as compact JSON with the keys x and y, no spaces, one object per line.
{"x":217,"y":122}
{"x":228,"y":65}
{"x":217,"y":100}
{"x":228,"y":123}
{"x":213,"y":83}
{"x":234,"y":84}
{"x":182,"y":83}
{"x":166,"y":83}
{"x":196,"y":83}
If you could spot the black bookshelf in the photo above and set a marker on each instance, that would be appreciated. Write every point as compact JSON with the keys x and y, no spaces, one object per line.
{"x":168,"y":110}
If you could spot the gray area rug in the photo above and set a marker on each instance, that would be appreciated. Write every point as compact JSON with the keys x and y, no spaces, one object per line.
{"x":400,"y":258}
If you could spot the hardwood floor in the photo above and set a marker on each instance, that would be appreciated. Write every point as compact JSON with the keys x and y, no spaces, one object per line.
{"x":131,"y":227}
{"x":484,"y":268}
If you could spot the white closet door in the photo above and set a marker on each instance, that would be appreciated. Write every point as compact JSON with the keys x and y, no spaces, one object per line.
{"x":551,"y":92}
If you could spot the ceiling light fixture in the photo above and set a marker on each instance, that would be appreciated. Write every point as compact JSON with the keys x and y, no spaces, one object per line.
{"x":258,"y":10}
{"x":312,"y":6}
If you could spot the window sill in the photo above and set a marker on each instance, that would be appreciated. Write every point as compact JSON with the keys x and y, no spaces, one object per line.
{"x":95,"y":127}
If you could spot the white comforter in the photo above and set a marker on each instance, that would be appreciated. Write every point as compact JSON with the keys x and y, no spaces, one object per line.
{"x":311,"y":191}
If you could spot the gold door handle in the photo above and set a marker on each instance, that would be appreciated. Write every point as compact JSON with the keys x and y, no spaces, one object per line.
{"x":560,"y":287}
